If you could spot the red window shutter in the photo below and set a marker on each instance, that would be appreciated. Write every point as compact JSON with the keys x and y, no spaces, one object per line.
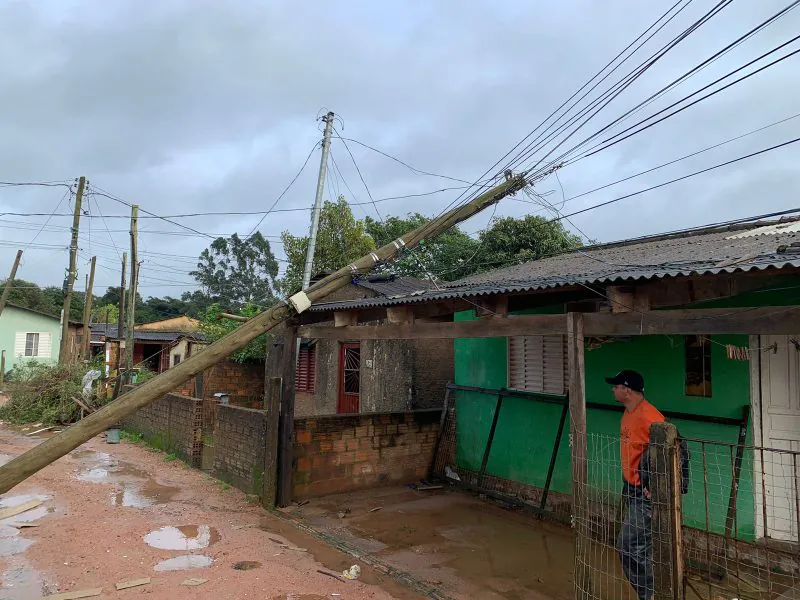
{"x":306,"y":370}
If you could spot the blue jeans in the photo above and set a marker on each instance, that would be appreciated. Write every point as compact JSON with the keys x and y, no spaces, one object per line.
{"x":635,"y":542}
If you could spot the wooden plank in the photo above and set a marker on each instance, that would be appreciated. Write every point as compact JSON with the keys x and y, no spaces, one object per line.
{"x":711,"y":321}
{"x":554,"y":455}
{"x":399,"y":314}
{"x":578,"y":436}
{"x":15,"y":510}
{"x":730,"y":521}
{"x":272,"y":407}
{"x":286,"y":421}
{"x":124,"y":585}
{"x":91,"y":593}
{"x":489,"y":440}
{"x":484,"y":328}
{"x":665,"y":490}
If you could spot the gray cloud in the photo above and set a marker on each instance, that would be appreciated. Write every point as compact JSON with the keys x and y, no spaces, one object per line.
{"x":208,"y":106}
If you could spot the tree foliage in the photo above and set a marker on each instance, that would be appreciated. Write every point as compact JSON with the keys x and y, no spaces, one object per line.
{"x":214,"y":327}
{"x":445,"y":257}
{"x":341,"y":240}
{"x":48,"y":300}
{"x":235,"y":271}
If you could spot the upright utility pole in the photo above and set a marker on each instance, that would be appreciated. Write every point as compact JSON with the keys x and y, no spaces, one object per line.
{"x":132,"y":291}
{"x":87,"y":311}
{"x":71,"y":274}
{"x":10,"y":282}
{"x":120,"y":325}
{"x":323,"y":169}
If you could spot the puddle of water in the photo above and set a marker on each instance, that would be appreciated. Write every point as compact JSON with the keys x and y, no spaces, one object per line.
{"x":186,"y":537}
{"x":246,"y":565}
{"x":28,"y":516}
{"x":22,"y":582}
{"x":4,"y":458}
{"x":149,"y":493}
{"x":13,"y":544}
{"x":184,"y":563}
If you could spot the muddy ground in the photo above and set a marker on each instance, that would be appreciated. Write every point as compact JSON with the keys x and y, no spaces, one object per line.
{"x":114,"y":513}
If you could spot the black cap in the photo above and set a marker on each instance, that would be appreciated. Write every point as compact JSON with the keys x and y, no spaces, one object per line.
{"x":630,"y":379}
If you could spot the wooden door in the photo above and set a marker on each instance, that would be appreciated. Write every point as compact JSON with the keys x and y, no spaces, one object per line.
{"x":780,"y":430}
{"x":349,"y":378}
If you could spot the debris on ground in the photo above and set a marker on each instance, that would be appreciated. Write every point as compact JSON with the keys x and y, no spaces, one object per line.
{"x":451,"y":474}
{"x":352,"y":573}
{"x":124,"y":585}
{"x":194,"y":581}
{"x":75,"y":595}
{"x":376,"y":509}
{"x":15,"y":510}
{"x":246,"y":565}
{"x":330,"y":574}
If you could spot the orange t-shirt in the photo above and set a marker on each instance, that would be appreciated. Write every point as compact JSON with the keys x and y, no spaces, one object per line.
{"x":634,"y":437}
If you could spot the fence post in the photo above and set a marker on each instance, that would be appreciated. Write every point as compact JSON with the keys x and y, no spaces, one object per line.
{"x":665,"y":487}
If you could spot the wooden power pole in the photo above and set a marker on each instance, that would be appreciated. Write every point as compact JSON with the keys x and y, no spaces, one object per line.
{"x":10,"y":282}
{"x":120,"y":325}
{"x":87,"y":312}
{"x":131,"y":318}
{"x":38,"y":457}
{"x":63,"y":354}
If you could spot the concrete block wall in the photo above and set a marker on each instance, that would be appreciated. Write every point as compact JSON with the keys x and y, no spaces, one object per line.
{"x":335,"y":454}
{"x":172,"y":423}
{"x":239,"y":447}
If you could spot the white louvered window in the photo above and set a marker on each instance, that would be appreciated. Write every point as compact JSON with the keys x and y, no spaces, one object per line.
{"x":33,"y":344}
{"x":538,"y":363}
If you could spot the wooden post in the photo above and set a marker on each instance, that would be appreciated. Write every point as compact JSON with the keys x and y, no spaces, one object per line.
{"x":131,"y":318}
{"x":38,"y":457}
{"x":2,"y":366}
{"x":87,"y":312}
{"x":665,"y":489}
{"x":286,"y":423}
{"x":272,"y":406}
{"x":578,"y":445}
{"x":10,"y":281}
{"x":63,"y":353}
{"x":121,"y":327}
{"x":489,"y":441}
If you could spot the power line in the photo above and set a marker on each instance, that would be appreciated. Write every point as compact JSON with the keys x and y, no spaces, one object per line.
{"x":50,"y":216}
{"x":660,"y":185}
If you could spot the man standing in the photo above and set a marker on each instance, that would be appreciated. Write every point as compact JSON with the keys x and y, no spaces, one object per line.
{"x":634,"y":542}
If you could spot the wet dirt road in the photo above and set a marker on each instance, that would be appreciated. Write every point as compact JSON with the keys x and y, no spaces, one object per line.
{"x":116,"y":513}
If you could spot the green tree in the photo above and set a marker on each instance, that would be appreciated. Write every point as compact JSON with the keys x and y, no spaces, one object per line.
{"x":29,"y":295}
{"x":445,"y":257}
{"x":513,"y":241}
{"x":214,"y":327}
{"x":235,"y":272}
{"x":105,"y":312}
{"x":341,"y":240}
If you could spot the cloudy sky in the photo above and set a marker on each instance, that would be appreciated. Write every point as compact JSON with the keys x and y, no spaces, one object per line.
{"x":199,"y":106}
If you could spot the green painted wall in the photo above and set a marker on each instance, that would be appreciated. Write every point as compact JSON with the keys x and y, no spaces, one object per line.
{"x":526,"y":430}
{"x":15,"y":320}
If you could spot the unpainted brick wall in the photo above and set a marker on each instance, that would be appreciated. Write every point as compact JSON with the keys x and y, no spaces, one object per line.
{"x":239,"y":446}
{"x":172,"y":423}
{"x":335,"y":454}
{"x":244,"y":383}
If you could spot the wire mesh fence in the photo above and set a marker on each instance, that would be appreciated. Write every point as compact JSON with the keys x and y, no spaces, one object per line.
{"x":736,"y":526}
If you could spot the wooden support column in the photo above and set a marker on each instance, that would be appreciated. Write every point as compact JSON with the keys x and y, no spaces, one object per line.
{"x":578,"y":445}
{"x":272,"y":406}
{"x":286,"y":421}
{"x":665,"y":490}
{"x":345,"y":318}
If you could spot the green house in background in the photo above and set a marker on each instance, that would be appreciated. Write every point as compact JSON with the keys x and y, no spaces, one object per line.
{"x":28,"y":335}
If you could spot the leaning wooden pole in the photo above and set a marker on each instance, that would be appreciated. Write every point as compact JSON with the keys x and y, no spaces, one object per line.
{"x":10,"y":282}
{"x":57,"y":446}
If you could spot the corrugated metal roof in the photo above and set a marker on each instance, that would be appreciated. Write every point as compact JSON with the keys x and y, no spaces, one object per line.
{"x":790,"y":227}
{"x":100,"y":330}
{"x":392,"y":285}
{"x":700,"y":253}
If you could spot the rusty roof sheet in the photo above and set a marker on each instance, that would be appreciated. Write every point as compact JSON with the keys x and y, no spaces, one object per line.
{"x":720,"y":250}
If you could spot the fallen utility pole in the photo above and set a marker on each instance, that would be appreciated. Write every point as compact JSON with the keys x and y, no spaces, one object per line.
{"x":87,"y":312}
{"x":63,"y":354}
{"x":10,"y":282}
{"x":25,"y":465}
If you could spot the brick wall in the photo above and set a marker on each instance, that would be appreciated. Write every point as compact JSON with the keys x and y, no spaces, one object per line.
{"x":239,"y":446}
{"x":244,"y":383}
{"x":335,"y":454}
{"x":172,"y":423}
{"x":433,"y":367}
